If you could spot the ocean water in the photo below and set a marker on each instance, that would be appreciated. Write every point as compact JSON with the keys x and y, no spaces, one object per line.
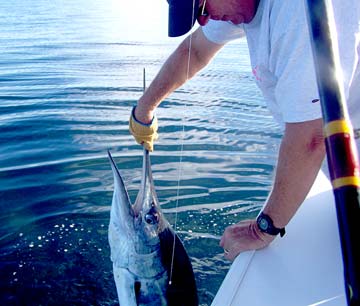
{"x":70,"y":72}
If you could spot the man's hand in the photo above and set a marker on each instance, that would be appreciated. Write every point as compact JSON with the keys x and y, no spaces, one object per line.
{"x":243,"y":236}
{"x":144,"y":134}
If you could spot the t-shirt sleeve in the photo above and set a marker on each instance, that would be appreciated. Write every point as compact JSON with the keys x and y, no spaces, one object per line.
{"x":221,"y":32}
{"x":296,"y":91}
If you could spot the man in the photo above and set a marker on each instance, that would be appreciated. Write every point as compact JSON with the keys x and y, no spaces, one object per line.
{"x":281,"y":59}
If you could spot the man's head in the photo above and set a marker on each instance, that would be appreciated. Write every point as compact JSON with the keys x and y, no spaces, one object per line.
{"x":184,"y":13}
{"x":182,"y":16}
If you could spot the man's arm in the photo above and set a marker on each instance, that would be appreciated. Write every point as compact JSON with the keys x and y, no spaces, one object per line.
{"x":174,"y":72}
{"x":301,"y":153}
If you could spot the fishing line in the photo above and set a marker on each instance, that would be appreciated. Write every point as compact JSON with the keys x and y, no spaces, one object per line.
{"x":181,"y":154}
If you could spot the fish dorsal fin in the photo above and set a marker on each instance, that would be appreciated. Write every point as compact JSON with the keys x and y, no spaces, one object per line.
{"x":120,"y":193}
{"x":182,"y":290}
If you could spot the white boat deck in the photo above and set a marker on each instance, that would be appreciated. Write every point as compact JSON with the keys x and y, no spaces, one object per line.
{"x":302,"y":268}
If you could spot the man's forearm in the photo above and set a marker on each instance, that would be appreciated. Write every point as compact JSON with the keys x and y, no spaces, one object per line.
{"x":175,"y":72}
{"x":172,"y":75}
{"x":300,"y":157}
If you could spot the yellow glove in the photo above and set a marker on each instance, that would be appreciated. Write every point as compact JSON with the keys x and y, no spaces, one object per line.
{"x":144,"y":134}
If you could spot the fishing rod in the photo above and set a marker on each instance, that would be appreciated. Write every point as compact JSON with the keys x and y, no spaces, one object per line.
{"x":339,"y":140}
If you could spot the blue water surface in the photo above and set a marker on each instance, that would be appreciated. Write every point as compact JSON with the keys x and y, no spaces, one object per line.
{"x":70,"y":74}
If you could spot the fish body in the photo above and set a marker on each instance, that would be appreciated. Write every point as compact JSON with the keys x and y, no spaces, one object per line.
{"x":142,"y":245}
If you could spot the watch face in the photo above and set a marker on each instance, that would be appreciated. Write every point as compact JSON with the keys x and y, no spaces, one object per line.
{"x":263,"y":224}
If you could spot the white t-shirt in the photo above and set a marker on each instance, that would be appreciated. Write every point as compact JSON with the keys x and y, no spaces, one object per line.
{"x":281,"y":56}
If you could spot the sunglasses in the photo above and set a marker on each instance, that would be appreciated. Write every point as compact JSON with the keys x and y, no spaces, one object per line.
{"x":202,"y":10}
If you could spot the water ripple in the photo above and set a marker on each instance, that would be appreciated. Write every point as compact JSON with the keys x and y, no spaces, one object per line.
{"x":68,"y":83}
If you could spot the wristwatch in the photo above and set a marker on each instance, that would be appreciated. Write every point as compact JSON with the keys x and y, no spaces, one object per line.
{"x":266,"y":225}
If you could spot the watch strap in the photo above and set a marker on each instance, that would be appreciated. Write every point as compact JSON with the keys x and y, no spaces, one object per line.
{"x":270,"y":228}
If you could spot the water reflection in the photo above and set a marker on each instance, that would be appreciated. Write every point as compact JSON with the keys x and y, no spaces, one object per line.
{"x":69,"y":81}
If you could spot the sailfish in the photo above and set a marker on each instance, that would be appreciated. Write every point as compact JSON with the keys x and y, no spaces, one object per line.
{"x":150,"y":264}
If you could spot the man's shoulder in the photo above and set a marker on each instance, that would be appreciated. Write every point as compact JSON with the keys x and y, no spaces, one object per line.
{"x":222,"y":32}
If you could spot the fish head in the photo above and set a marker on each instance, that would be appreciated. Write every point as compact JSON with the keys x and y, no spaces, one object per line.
{"x":149,"y":219}
{"x":142,"y":222}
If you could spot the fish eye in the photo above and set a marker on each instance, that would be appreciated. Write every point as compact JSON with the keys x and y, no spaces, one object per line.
{"x":152,"y":217}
